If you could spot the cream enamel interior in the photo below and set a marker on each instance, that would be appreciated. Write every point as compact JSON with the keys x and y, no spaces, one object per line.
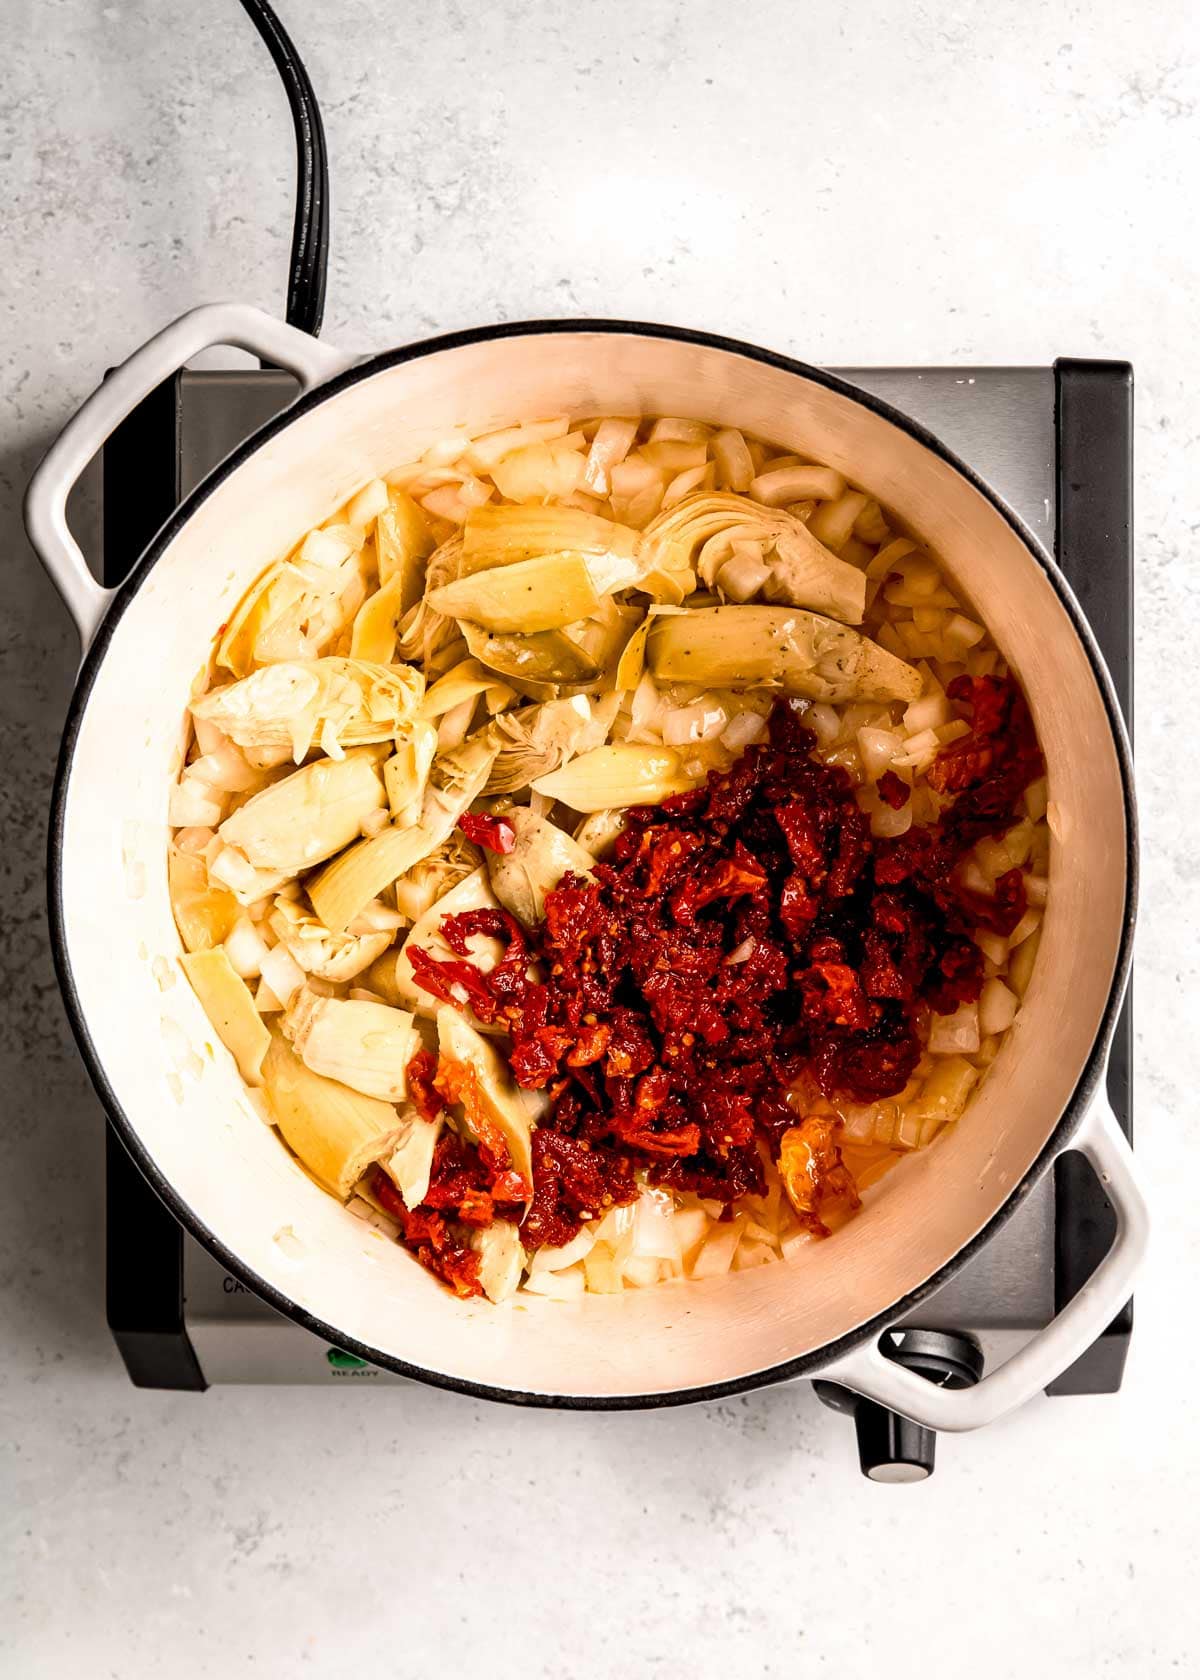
{"x":178,"y":1087}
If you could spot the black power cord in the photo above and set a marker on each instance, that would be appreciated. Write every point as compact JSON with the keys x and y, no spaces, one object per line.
{"x":310,"y":230}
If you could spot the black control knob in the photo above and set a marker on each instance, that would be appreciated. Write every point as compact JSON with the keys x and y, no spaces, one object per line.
{"x":892,"y":1448}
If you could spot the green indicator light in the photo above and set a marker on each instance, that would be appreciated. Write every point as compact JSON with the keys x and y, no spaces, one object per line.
{"x":344,"y":1361}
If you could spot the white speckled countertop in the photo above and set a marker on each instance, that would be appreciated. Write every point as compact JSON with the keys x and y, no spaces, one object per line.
{"x":984,"y":182}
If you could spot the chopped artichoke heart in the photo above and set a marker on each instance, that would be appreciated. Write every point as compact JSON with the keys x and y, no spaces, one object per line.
{"x":204,"y":914}
{"x":336,"y":1133}
{"x":308,"y":816}
{"x":624,"y":774}
{"x":406,"y":773}
{"x":541,"y":855}
{"x":294,"y":703}
{"x":463,"y":682}
{"x":362,"y":872}
{"x":501,"y":1259}
{"x":229,"y":1005}
{"x":402,"y":541}
{"x":548,"y":658}
{"x":536,"y":740}
{"x":318,"y":950}
{"x":490,"y":1098}
{"x":802,"y":570}
{"x":377,"y":623}
{"x":539,"y":594}
{"x":351,"y":881}
{"x":365,"y":1045}
{"x":410,"y":1165}
{"x":502,"y":535}
{"x":777,"y":647}
{"x":474,"y":892}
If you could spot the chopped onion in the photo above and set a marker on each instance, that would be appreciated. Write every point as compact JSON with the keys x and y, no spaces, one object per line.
{"x":329,"y":546}
{"x":716,"y":1256}
{"x":642,"y":1272}
{"x":266,"y":1002}
{"x":684,"y":483}
{"x":824,"y":722}
{"x":483,"y":454}
{"x":376,"y":917}
{"x":888,"y":823}
{"x":931,"y":711}
{"x":679,"y":431}
{"x":957,"y":1034}
{"x":654,"y":1226}
{"x":993,"y":945}
{"x":743,"y":574}
{"x":612,"y":442}
{"x":193,"y":804}
{"x":1037,"y":889}
{"x":735,"y":464}
{"x":368,"y":504}
{"x":245,"y":947}
{"x":961,"y":633}
{"x":559,"y":1286}
{"x":282,"y":974}
{"x":878,"y":749}
{"x":234,"y":870}
{"x":743,"y":952}
{"x":1036,"y":799}
{"x":858,"y":1122}
{"x":742,"y":730}
{"x":997,"y":1007}
{"x":1029,"y":923}
{"x":558,"y":1259}
{"x":194,"y":841}
{"x":682,"y":725}
{"x":208,"y":736}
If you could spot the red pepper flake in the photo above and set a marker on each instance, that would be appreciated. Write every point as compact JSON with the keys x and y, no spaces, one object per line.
{"x":741,"y":935}
{"x":491,"y":832}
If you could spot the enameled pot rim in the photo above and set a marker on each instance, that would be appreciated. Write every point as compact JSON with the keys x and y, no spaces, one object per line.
{"x":809,"y":1364}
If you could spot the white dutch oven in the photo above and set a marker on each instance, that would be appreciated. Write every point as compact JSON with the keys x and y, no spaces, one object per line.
{"x":174,"y":1093}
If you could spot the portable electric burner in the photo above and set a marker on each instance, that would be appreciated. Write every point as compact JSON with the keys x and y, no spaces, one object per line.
{"x":1056,"y":443}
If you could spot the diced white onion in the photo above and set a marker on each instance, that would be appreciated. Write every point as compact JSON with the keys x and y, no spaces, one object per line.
{"x":193,"y":804}
{"x":654,"y":1226}
{"x":824,"y":723}
{"x":929,"y":712}
{"x":208,"y":736}
{"x":682,"y":725}
{"x":742,"y":730}
{"x":245,"y":948}
{"x":956,"y":1034}
{"x":224,"y":770}
{"x":997,"y":1007}
{"x":194,"y":841}
{"x":368,"y":504}
{"x":743,"y":952}
{"x":559,"y":1286}
{"x":558,"y":1259}
{"x":282,"y":974}
{"x":376,"y":917}
{"x":1037,"y":889}
{"x":878,"y":749}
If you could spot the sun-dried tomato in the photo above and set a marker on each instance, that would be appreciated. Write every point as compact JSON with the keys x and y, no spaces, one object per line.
{"x":493,"y":833}
{"x":421,"y":1073}
{"x":431,"y":1239}
{"x":740,"y":937}
{"x":893,"y":790}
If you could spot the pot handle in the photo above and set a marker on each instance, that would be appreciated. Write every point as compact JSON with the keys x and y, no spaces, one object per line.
{"x":237,"y":324}
{"x":866,"y":1370}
